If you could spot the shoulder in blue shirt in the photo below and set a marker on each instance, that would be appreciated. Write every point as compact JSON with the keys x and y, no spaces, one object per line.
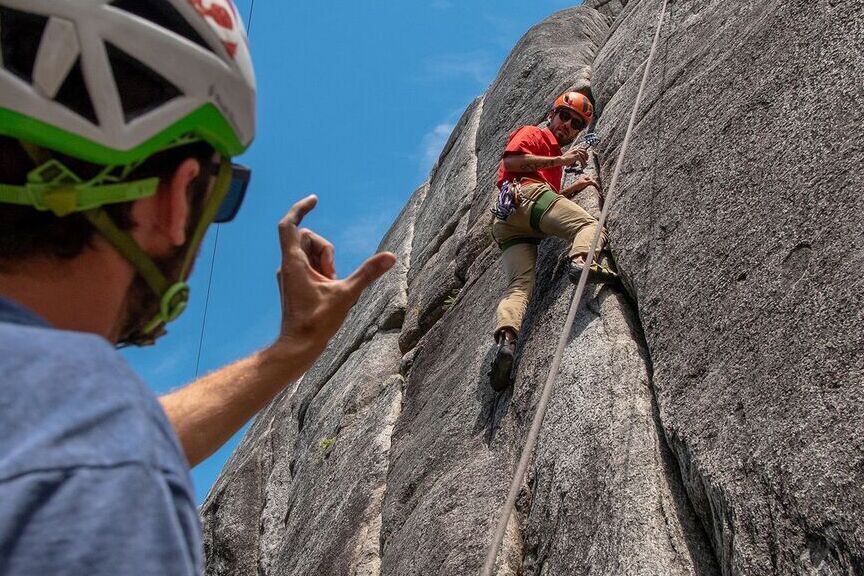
{"x":90,"y":468}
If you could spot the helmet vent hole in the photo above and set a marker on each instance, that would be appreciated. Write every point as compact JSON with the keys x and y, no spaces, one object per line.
{"x":141,"y":88}
{"x":73,"y":94}
{"x":20,"y":35}
{"x":164,"y":15}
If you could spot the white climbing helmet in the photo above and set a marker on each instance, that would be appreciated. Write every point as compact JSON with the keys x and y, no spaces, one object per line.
{"x":114,"y":81}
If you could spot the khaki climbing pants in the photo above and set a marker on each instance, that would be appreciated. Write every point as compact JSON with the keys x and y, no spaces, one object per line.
{"x":541,"y":213}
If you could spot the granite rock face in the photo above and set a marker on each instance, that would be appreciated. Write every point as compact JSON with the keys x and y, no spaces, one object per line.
{"x":735,"y":228}
{"x":707,"y":417}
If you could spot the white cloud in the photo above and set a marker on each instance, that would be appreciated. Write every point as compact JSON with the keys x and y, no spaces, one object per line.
{"x":431,"y":145}
{"x":169,"y":363}
{"x":476,"y":66}
{"x":360,"y":238}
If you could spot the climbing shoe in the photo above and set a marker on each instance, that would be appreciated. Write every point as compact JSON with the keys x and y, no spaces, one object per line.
{"x":502,"y":365}
{"x":597,"y":273}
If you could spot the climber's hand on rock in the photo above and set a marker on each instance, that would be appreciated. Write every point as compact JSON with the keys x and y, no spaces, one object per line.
{"x":575,"y":155}
{"x":580,"y":184}
{"x":314,"y":302}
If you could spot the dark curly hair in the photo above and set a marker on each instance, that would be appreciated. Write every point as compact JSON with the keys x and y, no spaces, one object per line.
{"x":27,"y":233}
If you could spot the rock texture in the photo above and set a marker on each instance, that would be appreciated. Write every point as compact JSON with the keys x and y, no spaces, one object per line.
{"x":707,"y":418}
{"x":733,"y":226}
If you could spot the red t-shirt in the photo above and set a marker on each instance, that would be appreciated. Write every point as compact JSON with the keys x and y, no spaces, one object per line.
{"x":536,"y":142}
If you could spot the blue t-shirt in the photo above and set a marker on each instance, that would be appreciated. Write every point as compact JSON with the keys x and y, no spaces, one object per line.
{"x":92,"y":478}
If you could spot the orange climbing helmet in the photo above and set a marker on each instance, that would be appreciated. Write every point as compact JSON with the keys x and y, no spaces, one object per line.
{"x":576,"y":102}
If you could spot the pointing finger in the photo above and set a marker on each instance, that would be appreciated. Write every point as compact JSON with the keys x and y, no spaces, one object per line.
{"x":295,"y":215}
{"x":300,"y":209}
{"x":288,"y":234}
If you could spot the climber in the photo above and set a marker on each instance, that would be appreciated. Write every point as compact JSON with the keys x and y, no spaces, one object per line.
{"x":532,"y":168}
{"x":117,"y":124}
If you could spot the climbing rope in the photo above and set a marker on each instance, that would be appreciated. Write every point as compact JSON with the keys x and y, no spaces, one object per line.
{"x":533,"y":434}
{"x":215,"y":245}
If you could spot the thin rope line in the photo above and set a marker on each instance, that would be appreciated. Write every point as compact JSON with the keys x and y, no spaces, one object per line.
{"x":251,"y":12}
{"x":534,"y":433}
{"x":207,"y":301}
{"x":215,"y":244}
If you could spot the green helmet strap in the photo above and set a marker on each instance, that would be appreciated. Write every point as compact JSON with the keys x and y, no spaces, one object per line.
{"x":54,"y":187}
{"x":211,"y":208}
{"x":173,"y":296}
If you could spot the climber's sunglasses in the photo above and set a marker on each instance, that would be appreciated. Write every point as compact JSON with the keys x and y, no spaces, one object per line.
{"x":575,"y":121}
{"x":237,"y":185}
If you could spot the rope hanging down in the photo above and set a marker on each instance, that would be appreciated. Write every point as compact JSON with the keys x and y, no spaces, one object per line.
{"x":533,"y":434}
{"x":215,"y":245}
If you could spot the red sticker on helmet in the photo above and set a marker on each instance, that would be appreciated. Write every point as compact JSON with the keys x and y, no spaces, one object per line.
{"x":223,"y":18}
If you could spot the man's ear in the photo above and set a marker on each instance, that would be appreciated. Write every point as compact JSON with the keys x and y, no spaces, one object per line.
{"x":174,"y":200}
{"x":161,"y":219}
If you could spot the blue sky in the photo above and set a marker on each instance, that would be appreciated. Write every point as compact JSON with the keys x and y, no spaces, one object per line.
{"x":355,"y":101}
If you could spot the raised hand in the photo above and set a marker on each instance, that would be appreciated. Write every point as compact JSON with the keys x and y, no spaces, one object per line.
{"x":314,"y":302}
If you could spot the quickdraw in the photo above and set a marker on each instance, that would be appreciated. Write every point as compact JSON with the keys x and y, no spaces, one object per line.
{"x":509,"y":199}
{"x":591,"y":140}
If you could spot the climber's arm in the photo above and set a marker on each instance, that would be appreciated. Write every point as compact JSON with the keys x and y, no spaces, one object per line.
{"x":580,"y":184}
{"x":531,"y":163}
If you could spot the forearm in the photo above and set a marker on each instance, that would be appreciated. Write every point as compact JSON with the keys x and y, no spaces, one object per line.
{"x":530,"y":163}
{"x":575,"y":187}
{"x":580,"y":184}
{"x":207,"y":412}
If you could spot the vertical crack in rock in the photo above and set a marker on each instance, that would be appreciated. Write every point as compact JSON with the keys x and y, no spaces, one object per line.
{"x":368,"y":552}
{"x":325,"y":518}
{"x":609,"y":8}
{"x":452,"y":186}
{"x":442,"y":224}
{"x":699,"y":545}
{"x":433,"y":291}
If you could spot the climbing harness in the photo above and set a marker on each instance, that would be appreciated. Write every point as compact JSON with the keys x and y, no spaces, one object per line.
{"x":591,"y":141}
{"x":510,"y":195}
{"x":508,"y":199}
{"x":534,"y":432}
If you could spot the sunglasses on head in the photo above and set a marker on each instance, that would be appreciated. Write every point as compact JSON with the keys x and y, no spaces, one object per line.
{"x":575,"y":121}
{"x":237,"y":185}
